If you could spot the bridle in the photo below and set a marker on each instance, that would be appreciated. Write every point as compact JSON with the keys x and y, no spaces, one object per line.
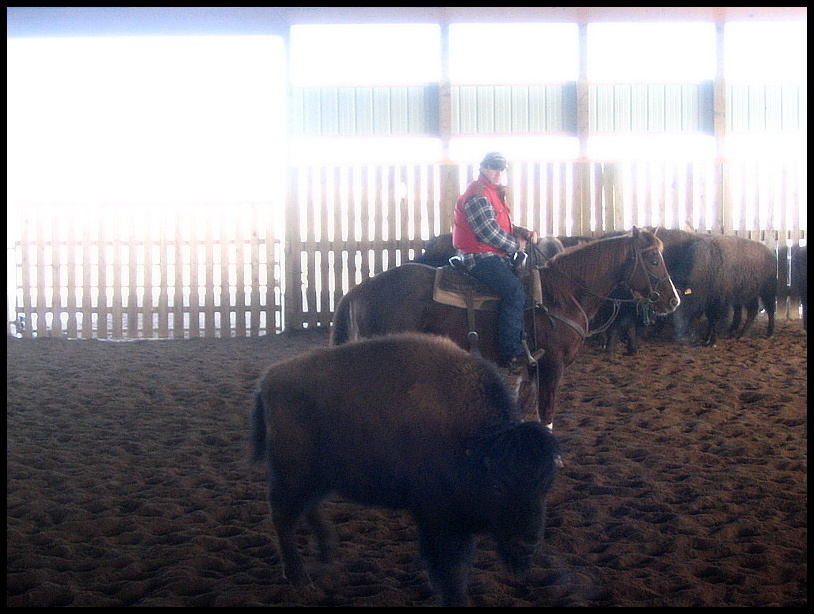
{"x":653,"y":296}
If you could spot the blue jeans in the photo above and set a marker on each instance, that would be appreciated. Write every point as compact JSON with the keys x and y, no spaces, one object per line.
{"x":496,"y":273}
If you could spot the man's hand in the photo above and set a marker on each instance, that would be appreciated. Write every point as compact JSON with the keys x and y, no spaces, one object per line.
{"x":531,"y":237}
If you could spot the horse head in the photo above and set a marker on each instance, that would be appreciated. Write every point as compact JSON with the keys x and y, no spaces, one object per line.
{"x":647,"y":277}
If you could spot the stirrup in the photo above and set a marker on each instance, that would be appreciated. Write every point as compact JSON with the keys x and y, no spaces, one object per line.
{"x":532,"y":361}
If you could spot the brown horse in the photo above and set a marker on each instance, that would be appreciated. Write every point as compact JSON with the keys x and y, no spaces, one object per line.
{"x":575,"y":284}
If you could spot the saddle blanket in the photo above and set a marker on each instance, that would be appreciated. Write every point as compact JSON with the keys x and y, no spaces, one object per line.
{"x":452,"y":286}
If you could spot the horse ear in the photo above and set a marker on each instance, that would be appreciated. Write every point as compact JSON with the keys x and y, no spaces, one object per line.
{"x":634,"y":231}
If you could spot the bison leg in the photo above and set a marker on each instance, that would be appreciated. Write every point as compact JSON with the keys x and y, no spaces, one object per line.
{"x":735,"y":329}
{"x":288,"y":505}
{"x":683,"y":323}
{"x":285,"y":523}
{"x":611,"y":338}
{"x":770,"y":325}
{"x":326,"y":539}
{"x":711,"y":336}
{"x":632,"y":342}
{"x":751,"y":313}
{"x":715,"y":312}
{"x":770,"y":305}
{"x":449,"y":558}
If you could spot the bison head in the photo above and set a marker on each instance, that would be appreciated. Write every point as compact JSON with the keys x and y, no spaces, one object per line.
{"x":517,"y":468}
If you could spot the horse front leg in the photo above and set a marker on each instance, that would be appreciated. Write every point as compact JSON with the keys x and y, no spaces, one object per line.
{"x":527,"y":394}
{"x":548,"y":381}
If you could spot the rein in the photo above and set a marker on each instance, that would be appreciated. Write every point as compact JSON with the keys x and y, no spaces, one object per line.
{"x":539,"y":258}
{"x":583,"y":332}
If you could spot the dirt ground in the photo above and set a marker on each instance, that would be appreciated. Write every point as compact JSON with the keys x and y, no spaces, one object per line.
{"x":128,"y":483}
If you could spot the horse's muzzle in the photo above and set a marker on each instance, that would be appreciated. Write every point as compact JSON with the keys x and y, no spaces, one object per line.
{"x":655,"y":297}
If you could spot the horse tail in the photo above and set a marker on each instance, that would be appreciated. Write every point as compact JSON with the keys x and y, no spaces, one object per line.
{"x":345,"y":326}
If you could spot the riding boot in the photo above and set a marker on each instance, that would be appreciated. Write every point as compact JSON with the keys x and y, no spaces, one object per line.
{"x":518,"y":365}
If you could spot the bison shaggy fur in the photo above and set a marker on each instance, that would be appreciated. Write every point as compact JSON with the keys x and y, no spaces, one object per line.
{"x":411,"y":422}
{"x":723,"y":271}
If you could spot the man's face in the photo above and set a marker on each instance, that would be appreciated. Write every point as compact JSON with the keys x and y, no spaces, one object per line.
{"x":491,"y":174}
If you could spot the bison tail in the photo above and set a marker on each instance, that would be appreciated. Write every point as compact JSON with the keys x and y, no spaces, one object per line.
{"x":343,"y":328}
{"x":258,"y":436}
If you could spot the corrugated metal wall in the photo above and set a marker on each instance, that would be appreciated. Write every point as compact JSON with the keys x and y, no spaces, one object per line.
{"x":782,"y":108}
{"x":364,"y":111}
{"x":530,"y":109}
{"x":651,"y":107}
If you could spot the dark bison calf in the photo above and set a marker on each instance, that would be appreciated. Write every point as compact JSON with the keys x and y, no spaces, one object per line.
{"x":411,"y":422}
{"x":621,"y":321}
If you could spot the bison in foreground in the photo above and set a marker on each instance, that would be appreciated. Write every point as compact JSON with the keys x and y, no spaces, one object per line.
{"x":410,"y":422}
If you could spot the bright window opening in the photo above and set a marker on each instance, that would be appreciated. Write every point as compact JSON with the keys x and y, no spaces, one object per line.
{"x":501,"y":53}
{"x":144,"y":119}
{"x":365,"y":54}
{"x":651,"y":52}
{"x":766,"y":52}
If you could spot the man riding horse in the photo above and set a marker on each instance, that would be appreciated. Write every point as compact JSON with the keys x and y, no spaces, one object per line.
{"x":488,"y":244}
